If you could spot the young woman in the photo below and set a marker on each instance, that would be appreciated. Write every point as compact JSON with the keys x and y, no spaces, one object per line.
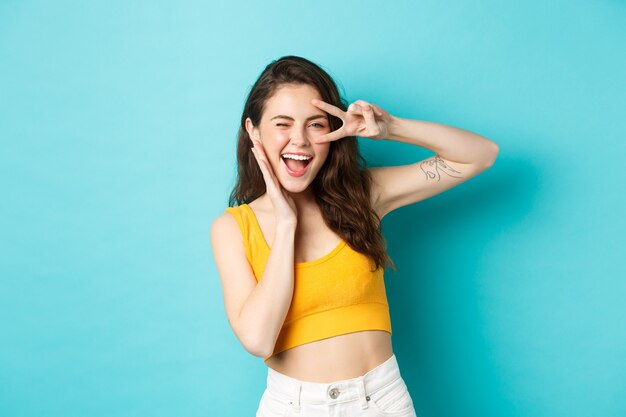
{"x":301,"y":254}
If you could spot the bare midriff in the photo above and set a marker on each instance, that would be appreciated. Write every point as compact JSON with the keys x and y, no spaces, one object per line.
{"x":335,"y":358}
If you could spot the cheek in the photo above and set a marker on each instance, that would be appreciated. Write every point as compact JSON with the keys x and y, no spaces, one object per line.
{"x":279,"y":141}
{"x":273,"y":144}
{"x":322,"y":157}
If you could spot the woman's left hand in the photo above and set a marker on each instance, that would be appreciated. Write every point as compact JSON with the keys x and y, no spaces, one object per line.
{"x":362,"y":119}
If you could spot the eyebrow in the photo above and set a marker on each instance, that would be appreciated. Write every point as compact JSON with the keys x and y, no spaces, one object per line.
{"x":316,"y":116}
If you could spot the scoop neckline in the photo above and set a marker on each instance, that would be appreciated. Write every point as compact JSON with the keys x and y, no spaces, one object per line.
{"x":324,"y":258}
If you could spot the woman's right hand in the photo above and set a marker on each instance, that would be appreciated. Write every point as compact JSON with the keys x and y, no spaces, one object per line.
{"x":284,"y":206}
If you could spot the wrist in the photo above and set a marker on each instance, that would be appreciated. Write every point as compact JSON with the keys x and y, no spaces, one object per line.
{"x":394,"y":127}
{"x":286,"y":226}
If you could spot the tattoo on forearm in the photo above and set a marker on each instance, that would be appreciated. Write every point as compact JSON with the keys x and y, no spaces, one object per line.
{"x":432,"y":166}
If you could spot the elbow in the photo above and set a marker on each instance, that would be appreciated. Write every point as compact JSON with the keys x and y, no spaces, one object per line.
{"x":253,"y":336}
{"x":255,"y":344}
{"x":491,"y":155}
{"x":259,"y":350}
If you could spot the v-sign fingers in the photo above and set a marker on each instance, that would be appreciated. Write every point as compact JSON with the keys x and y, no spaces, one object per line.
{"x":328,"y":108}
{"x":332,"y":136}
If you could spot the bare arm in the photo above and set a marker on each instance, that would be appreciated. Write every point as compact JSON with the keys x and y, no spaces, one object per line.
{"x":459,"y":153}
{"x":264,"y":311}
{"x":459,"y":156}
{"x":450,"y":143}
{"x":255,"y":311}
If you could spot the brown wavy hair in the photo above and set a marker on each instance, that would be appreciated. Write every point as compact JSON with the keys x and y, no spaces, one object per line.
{"x":341,"y":187}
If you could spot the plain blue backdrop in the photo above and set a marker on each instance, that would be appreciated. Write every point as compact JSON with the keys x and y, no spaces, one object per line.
{"x":118,"y":122}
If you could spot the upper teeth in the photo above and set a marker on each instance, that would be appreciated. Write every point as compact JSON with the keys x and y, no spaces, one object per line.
{"x":298,"y":157}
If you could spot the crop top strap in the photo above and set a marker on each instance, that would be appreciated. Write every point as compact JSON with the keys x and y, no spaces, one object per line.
{"x":257,"y":250}
{"x":243,"y":221}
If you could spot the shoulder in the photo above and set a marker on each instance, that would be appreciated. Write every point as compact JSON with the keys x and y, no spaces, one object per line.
{"x":227,"y":236}
{"x":225,"y":224}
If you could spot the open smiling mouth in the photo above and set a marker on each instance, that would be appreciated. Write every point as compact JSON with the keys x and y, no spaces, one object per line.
{"x":295,"y":167}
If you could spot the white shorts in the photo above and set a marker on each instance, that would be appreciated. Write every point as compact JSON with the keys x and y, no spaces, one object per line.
{"x":381,"y":392}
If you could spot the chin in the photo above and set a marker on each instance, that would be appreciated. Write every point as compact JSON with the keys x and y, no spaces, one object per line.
{"x":295,"y":189}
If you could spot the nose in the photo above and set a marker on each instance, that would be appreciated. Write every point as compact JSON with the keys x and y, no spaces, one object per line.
{"x":299,"y":137}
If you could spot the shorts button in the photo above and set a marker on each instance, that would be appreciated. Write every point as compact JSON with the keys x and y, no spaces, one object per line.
{"x":334,"y":393}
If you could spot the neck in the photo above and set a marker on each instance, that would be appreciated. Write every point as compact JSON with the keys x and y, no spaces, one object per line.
{"x":304,"y":200}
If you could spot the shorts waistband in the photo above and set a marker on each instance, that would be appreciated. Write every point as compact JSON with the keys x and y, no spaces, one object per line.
{"x":297,"y":391}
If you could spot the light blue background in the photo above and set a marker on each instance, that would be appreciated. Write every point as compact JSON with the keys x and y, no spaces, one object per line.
{"x":118,"y":122}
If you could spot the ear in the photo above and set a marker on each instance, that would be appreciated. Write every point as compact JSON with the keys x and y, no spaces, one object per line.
{"x":253,"y":131}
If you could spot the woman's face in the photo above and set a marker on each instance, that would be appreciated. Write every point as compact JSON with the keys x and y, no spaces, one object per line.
{"x":288,"y":126}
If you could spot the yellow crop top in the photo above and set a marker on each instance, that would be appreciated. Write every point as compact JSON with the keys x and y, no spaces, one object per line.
{"x":333,"y":295}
